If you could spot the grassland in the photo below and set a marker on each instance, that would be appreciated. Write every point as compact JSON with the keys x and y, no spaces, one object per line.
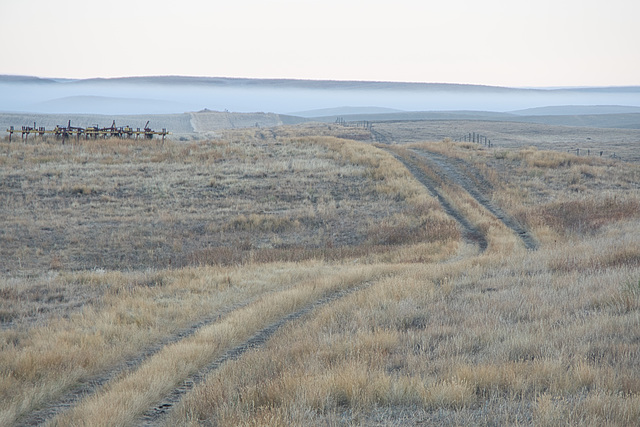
{"x":131,"y":205}
{"x":298,"y":276}
{"x":621,"y":143}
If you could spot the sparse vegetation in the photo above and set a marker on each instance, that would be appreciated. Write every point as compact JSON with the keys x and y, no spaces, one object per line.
{"x":124,"y":204}
{"x":135,"y":266}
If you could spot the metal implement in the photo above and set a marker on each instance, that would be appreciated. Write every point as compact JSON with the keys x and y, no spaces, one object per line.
{"x":91,"y":132}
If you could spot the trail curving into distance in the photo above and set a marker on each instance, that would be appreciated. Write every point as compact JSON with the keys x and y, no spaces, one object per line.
{"x":165,"y":403}
{"x":470,"y":233}
{"x":452,"y":173}
{"x":420,"y":164}
{"x":458,"y":172}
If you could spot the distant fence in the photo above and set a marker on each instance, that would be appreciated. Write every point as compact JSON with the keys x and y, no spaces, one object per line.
{"x":482,"y":139}
{"x":366,"y":124}
{"x":475,"y":137}
{"x":587,"y":152}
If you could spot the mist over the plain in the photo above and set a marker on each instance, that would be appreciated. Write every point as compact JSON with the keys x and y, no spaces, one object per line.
{"x":163,"y":95}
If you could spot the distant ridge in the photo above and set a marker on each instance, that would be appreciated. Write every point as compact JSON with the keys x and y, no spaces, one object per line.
{"x":420,"y":115}
{"x":10,"y":78}
{"x":293,"y":83}
{"x":620,"y":121}
{"x":302,"y":83}
{"x":573,"y":110}
{"x":273,"y":83}
{"x":105,"y":104}
{"x":311,"y":98}
{"x":341,"y":111}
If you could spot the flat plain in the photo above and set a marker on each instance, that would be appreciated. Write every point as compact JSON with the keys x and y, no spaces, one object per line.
{"x":309,"y":274}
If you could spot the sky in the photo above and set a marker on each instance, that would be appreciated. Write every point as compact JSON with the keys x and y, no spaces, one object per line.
{"x":515,"y":43}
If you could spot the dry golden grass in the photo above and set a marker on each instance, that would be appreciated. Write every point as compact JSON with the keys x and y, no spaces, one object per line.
{"x":464,"y":337}
{"x":127,"y":398}
{"x":509,"y":336}
{"x":542,"y":338}
{"x":131,"y":312}
{"x":123,"y":204}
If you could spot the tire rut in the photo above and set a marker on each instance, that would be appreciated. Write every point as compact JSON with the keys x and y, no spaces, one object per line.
{"x":454,"y":170}
{"x":156,"y":415}
{"x":470,"y":233}
{"x":92,"y":385}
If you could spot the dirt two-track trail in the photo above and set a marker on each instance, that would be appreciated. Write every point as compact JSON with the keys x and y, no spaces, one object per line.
{"x":458,"y":172}
{"x":157,"y":414}
{"x":419,"y":163}
{"x":86,"y":388}
{"x":462,"y":174}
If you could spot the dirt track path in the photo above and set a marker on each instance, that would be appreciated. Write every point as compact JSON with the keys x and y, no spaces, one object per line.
{"x":165,"y":404}
{"x":462,"y":174}
{"x":453,"y":173}
{"x":90,"y":386}
{"x":156,"y":415}
{"x":450,"y":170}
{"x":470,"y":233}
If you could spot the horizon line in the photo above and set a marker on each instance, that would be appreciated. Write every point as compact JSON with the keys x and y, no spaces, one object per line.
{"x":295,"y":79}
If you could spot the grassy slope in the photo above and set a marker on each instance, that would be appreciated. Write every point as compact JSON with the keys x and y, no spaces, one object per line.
{"x":128,"y":204}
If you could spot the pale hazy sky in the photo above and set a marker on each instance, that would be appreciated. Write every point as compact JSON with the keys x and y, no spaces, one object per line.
{"x":493,"y":42}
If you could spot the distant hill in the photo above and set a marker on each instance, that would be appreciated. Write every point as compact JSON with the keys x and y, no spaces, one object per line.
{"x":573,"y":110}
{"x":311,"y":98}
{"x":106,"y":104}
{"x":210,"y":121}
{"x":345,"y":111}
{"x":619,"y":121}
{"x":8,"y":79}
{"x":418,"y":115}
{"x":292,"y":83}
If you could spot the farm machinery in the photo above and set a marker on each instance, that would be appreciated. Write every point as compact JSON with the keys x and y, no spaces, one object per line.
{"x":91,"y":132}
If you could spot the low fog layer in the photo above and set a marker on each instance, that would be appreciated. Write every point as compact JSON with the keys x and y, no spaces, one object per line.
{"x":161,"y":95}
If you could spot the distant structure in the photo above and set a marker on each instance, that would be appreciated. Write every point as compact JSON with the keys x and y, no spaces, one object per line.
{"x":361,"y":123}
{"x":92,"y":132}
